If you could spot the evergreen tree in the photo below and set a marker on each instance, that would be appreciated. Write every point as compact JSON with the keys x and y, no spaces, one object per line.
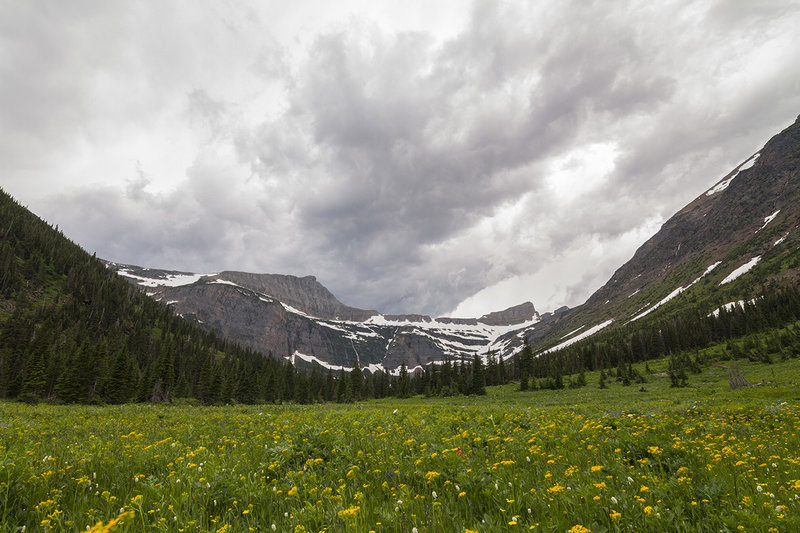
{"x":34,"y":384}
{"x":525,"y":364}
{"x":357,"y":381}
{"x":118,"y":389}
{"x":478,"y":377}
{"x":288,"y":382}
{"x":404,"y":384}
{"x":343,"y":392}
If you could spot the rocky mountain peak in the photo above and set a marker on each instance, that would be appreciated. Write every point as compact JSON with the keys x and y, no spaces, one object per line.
{"x":517,"y":314}
{"x":305,"y":294}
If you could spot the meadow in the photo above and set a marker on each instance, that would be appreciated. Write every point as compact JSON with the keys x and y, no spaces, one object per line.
{"x":649,"y":458}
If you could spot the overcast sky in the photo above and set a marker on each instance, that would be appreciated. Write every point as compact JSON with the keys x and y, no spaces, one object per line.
{"x":416,"y":156}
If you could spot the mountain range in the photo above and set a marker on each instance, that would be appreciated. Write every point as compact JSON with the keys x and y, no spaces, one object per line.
{"x":287,"y":316}
{"x":737,"y":236}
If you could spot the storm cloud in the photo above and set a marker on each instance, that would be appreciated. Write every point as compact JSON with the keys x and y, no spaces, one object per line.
{"x":415,"y":159}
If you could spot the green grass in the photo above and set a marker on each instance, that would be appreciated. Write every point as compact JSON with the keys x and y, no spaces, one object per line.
{"x":700,"y":458}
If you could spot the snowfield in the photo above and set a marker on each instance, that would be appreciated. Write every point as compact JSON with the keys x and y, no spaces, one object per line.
{"x":172,"y":280}
{"x":768,"y":219}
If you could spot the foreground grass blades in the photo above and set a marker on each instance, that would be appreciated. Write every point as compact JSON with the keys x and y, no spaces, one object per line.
{"x":725,"y":461}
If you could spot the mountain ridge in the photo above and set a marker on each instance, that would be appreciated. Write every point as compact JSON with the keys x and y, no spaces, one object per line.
{"x":289,"y":317}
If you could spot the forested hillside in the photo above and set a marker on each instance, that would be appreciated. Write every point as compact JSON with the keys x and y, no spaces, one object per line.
{"x":763,"y":329}
{"x":71,"y":330}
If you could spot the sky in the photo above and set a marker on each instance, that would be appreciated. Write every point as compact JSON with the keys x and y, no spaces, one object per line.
{"x":447,"y":157}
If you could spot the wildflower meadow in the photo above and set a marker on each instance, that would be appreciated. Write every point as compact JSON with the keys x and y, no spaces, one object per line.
{"x":660,"y":461}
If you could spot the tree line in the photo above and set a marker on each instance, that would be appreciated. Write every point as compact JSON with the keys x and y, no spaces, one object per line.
{"x":688,"y":331}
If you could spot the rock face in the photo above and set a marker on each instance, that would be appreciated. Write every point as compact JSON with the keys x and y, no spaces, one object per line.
{"x":305,"y":293}
{"x":289,"y":316}
{"x":513,"y":315}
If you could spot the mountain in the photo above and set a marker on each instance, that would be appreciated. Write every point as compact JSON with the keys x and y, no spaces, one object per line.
{"x":721,"y":248}
{"x":726,"y":246}
{"x":289,"y":316}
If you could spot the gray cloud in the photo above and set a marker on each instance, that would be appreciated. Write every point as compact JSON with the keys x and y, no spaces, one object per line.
{"x":407,"y":171}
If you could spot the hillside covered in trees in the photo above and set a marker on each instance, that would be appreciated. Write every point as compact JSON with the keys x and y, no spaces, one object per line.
{"x":72,"y":330}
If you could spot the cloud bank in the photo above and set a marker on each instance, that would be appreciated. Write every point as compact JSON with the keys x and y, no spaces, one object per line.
{"x":462,"y":159}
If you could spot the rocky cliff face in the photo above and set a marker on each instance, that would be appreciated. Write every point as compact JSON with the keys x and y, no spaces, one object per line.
{"x":513,"y":315}
{"x":289,"y":316}
{"x":304,"y":293}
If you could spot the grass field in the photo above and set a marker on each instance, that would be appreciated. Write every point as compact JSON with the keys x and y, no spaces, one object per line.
{"x":701,"y":458}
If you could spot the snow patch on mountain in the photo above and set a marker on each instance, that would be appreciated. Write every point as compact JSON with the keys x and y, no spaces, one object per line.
{"x":779,"y":241}
{"x":352,"y":332}
{"x":768,"y":219}
{"x":170,"y":280}
{"x":675,"y":293}
{"x":218,"y":281}
{"x":745,"y":268}
{"x":721,"y":186}
{"x":294,"y":310}
{"x":312,"y":359}
{"x":478,"y":331}
{"x":588,"y":333}
{"x":730,"y":305}
{"x":573,"y":332}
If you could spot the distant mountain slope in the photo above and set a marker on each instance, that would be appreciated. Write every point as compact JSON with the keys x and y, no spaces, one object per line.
{"x":289,"y":316}
{"x":739,"y":234}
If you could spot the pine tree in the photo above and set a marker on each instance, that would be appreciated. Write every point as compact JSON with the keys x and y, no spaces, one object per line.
{"x":342,"y":387}
{"x":478,"y":377}
{"x":525,"y":363}
{"x":288,"y":382}
{"x":403,"y":383}
{"x":34,"y":383}
{"x":357,"y":381}
{"x":581,"y":381}
{"x":118,"y":388}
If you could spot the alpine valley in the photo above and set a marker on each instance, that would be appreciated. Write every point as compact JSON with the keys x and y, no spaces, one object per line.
{"x":74,"y":328}
{"x":719,"y":252}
